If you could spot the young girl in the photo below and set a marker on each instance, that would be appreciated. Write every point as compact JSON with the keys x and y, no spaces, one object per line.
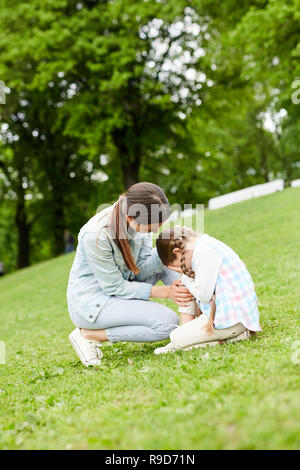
{"x":220,"y":283}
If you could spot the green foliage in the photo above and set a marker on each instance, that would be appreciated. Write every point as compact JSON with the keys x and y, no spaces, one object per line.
{"x":269,"y":34}
{"x":8,"y":237}
{"x":106,"y":93}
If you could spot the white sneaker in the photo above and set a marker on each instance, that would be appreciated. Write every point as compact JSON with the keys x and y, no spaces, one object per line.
{"x":241,"y":337}
{"x":245,"y":335}
{"x":165,"y":349}
{"x":88,"y":351}
{"x":170,"y":348}
{"x":200,"y":345}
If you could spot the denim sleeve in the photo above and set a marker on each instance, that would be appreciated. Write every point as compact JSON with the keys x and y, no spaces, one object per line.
{"x":148,"y":261}
{"x":100,"y":258}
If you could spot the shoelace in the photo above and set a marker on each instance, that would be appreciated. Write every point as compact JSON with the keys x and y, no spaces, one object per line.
{"x":95,"y":350}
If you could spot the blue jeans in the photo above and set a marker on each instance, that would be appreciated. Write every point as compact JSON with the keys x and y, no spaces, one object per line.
{"x":135,"y":320}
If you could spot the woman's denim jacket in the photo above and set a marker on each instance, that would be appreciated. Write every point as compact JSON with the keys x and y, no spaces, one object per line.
{"x":99,"y":271}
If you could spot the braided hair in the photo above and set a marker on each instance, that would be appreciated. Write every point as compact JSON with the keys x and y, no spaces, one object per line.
{"x":171,"y":239}
{"x":182,"y":246}
{"x":177,"y":238}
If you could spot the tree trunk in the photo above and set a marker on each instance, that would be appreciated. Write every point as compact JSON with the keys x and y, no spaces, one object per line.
{"x":23,"y":229}
{"x":129,"y":155}
{"x":59,"y":223}
{"x":264,"y":163}
{"x":131,"y":172}
{"x":286,"y":167}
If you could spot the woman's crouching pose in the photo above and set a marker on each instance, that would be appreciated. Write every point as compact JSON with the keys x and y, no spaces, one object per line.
{"x":221,"y":284}
{"x":114,"y":273}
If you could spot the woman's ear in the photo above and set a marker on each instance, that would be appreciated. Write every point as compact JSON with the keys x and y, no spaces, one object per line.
{"x":176,"y":251}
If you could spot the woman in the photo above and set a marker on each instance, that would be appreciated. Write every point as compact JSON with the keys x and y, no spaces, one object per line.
{"x":114,"y":275}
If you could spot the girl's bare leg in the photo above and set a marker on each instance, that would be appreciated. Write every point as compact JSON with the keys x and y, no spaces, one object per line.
{"x":186,"y":317}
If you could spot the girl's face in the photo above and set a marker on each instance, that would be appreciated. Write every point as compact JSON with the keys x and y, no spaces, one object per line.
{"x":176,"y":263}
{"x":189,"y":248}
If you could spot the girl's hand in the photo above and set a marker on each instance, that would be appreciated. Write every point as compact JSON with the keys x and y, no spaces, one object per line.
{"x":180,"y":294}
{"x":174,"y":268}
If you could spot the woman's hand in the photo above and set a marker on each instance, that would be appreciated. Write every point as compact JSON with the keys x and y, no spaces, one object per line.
{"x":176,"y":291}
{"x":180,"y":294}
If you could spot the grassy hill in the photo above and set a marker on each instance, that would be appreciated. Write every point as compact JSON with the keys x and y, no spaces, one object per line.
{"x":238,"y":396}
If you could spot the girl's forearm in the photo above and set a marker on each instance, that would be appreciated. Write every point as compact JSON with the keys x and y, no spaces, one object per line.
{"x":160,"y":292}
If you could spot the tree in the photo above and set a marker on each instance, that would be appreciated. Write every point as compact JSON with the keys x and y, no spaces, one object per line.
{"x":17,"y":177}
{"x":115,"y":62}
{"x":269,"y":34}
{"x":106,"y":93}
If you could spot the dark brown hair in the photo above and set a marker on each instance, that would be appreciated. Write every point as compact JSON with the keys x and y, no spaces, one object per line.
{"x":144,"y":202}
{"x":173,"y":238}
{"x":177,"y":238}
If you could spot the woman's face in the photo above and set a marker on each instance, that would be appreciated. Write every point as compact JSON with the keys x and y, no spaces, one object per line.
{"x":143,"y":228}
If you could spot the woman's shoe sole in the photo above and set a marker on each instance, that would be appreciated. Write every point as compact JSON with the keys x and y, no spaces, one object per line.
{"x":78,"y":351}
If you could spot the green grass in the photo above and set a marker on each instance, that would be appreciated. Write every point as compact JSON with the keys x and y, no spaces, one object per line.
{"x":236,"y":396}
